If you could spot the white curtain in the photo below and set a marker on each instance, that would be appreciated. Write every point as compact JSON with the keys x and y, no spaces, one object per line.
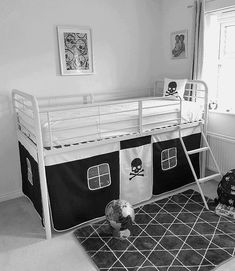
{"x":198,"y":41}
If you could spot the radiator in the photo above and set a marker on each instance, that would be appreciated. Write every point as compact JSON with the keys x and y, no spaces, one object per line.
{"x":223,"y":148}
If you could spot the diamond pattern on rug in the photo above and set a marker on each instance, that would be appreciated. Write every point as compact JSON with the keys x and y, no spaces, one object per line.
{"x":173,"y":234}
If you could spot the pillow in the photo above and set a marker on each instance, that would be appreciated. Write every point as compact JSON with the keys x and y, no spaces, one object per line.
{"x":174,"y":87}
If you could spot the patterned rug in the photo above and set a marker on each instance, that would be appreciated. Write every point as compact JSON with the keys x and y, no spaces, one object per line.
{"x":176,"y":233}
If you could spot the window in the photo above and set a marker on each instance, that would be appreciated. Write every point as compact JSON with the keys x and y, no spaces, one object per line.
{"x":220,"y":58}
{"x":169,"y":158}
{"x":98,"y":176}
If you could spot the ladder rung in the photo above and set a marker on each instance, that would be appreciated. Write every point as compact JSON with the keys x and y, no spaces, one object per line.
{"x":207,"y":178}
{"x":198,"y":150}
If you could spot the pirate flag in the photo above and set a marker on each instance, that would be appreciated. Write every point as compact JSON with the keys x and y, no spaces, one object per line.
{"x":136,"y":170}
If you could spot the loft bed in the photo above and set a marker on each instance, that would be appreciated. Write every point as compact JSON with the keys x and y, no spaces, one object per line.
{"x":74,"y":155}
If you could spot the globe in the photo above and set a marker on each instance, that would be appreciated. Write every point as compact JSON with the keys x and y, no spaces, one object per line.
{"x":120,"y":214}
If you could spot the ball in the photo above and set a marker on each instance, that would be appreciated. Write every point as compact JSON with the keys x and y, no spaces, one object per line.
{"x":120,"y":214}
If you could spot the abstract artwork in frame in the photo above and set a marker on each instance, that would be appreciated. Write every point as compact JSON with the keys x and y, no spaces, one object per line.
{"x":179,"y":44}
{"x":75,"y":47}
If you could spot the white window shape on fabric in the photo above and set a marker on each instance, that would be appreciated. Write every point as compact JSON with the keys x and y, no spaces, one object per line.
{"x":98,"y":176}
{"x":29,"y":171}
{"x":169,"y":158}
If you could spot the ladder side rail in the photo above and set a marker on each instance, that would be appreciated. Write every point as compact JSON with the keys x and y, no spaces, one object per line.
{"x":187,"y":156}
{"x":204,"y":146}
{"x":192,"y":169}
{"x":205,"y":105}
{"x":203,"y":156}
{"x":205,"y":116}
{"x":204,"y":129}
{"x":212,"y":155}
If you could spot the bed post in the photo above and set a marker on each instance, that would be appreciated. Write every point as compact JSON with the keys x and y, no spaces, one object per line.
{"x":203,"y":125}
{"x":204,"y":128}
{"x":42,"y":172}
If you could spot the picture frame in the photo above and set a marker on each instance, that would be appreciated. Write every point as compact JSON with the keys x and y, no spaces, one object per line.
{"x":75,"y":50}
{"x":179,"y":44}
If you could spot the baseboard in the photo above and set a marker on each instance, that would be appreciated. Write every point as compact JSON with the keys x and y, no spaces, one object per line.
{"x":12,"y":195}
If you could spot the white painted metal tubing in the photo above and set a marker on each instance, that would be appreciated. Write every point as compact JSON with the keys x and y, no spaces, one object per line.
{"x":213,"y":157}
{"x":205,"y":117}
{"x":198,"y":150}
{"x":192,"y":170}
{"x":101,"y":104}
{"x":40,"y":158}
{"x":42,"y":173}
{"x":207,"y":178}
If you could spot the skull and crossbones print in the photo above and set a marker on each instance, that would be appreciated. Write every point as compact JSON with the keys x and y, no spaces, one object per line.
{"x":172,"y":89}
{"x":136,"y":168}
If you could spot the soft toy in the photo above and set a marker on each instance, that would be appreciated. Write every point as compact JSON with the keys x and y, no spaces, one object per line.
{"x":226,"y":189}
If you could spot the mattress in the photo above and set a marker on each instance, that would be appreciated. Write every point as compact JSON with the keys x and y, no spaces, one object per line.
{"x":71,"y":126}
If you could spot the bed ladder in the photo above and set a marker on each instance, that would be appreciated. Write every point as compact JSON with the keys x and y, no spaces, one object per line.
{"x":203,"y":149}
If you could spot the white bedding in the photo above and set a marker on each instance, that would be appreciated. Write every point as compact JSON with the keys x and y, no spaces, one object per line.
{"x":97,"y":122}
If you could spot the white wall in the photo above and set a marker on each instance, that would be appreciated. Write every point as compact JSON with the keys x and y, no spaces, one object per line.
{"x":179,"y":15}
{"x":176,"y":15}
{"x":222,"y":123}
{"x":125,"y":35}
{"x":131,"y":41}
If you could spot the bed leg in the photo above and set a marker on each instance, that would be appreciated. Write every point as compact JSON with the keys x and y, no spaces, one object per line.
{"x":42,"y":170}
{"x":47,"y":222}
{"x":45,"y":202}
{"x":203,"y":157}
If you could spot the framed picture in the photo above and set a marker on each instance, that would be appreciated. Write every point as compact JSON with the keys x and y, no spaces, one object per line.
{"x":75,"y":48}
{"x":179,"y":44}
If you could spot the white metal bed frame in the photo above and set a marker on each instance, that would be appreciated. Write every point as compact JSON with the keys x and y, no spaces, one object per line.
{"x":35,"y":147}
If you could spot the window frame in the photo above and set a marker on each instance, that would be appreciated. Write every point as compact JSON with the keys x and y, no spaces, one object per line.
{"x":98,"y":175}
{"x":223,"y":57}
{"x":217,"y":61}
{"x":169,"y":158}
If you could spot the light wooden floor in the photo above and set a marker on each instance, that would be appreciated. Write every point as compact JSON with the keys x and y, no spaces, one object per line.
{"x":23,"y":245}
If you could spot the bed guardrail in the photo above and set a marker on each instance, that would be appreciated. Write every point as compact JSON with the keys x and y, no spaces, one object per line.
{"x":71,"y":123}
{"x":106,"y":119}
